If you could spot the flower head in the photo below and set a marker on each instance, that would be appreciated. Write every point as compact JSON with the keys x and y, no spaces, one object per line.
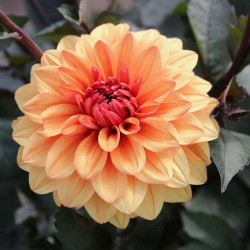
{"x":117,"y":122}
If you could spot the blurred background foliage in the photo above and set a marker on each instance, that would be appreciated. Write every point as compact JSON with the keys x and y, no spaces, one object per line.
{"x":211,"y":220}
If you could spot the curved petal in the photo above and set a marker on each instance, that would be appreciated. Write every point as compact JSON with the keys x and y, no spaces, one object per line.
{"x":67,"y":42}
{"x":109,"y":138}
{"x":60,"y":159}
{"x":175,"y":44}
{"x":202,"y":151}
{"x":175,"y":106}
{"x":152,"y":203}
{"x":133,"y":197}
{"x":103,"y":32}
{"x":51,"y":57}
{"x":110,"y":184}
{"x":147,"y":109}
{"x":73,"y":191}
{"x":203,"y":85}
{"x":173,"y":195}
{"x":181,"y":171}
{"x":20,"y":162}
{"x":89,"y":157}
{"x":130,"y":126}
{"x":158,"y":168}
{"x":56,"y":199}
{"x":100,"y":210}
{"x":189,"y":128}
{"x":156,"y":135}
{"x":39,"y":182}
{"x":23,"y":129}
{"x":129,"y":157}
{"x":120,"y":220}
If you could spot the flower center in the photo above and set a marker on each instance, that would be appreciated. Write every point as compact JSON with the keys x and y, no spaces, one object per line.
{"x":109,"y":102}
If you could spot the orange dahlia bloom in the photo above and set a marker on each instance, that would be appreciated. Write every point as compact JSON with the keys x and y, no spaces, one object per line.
{"x":117,"y":122}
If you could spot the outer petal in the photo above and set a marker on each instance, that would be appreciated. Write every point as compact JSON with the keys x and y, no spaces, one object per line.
{"x":133,"y":197}
{"x":158,"y":168}
{"x":20,"y":162}
{"x":100,"y":210}
{"x":51,"y":57}
{"x":181,"y":171}
{"x":39,"y":182}
{"x":178,"y":194}
{"x":201,"y":84}
{"x":156,"y":135}
{"x":202,"y":151}
{"x":152,"y":203}
{"x":67,"y":42}
{"x":73,"y":191}
{"x":89,"y":157}
{"x":73,"y":126}
{"x":24,"y":128}
{"x":129,"y":157}
{"x":120,"y":220}
{"x":110,"y":184}
{"x":60,"y":159}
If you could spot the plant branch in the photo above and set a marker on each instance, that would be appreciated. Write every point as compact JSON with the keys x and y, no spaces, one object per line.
{"x":23,"y":37}
{"x":239,"y":58}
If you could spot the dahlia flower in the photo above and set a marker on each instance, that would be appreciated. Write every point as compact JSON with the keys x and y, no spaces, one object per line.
{"x":116,"y":122}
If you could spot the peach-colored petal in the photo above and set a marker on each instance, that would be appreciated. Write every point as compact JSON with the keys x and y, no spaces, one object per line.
{"x":156,"y":134}
{"x":60,"y":159}
{"x":24,"y":128}
{"x":110,"y":184}
{"x":39,"y":182}
{"x":120,"y":220}
{"x":51,"y":57}
{"x":109,"y":138}
{"x":147,"y":109}
{"x":56,"y":199}
{"x":67,"y":42}
{"x":157,"y":89}
{"x":173,"y":195}
{"x":183,"y":59}
{"x":129,"y":157}
{"x":175,"y":44}
{"x":152,"y":203}
{"x":36,"y":149}
{"x":181,"y":171}
{"x":20,"y":162}
{"x":24,"y":94}
{"x":158,"y":168}
{"x":189,"y":128}
{"x":89,"y":158}
{"x":73,"y":191}
{"x":102,"y":32}
{"x":55,"y":116}
{"x":130,"y":126}
{"x":133,"y":197}
{"x":201,"y":84}
{"x":100,"y":210}
{"x":198,"y":170}
{"x":202,"y":151}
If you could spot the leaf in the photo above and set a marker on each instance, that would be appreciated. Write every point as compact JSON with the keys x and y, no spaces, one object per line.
{"x":6,"y":35}
{"x":75,"y":232}
{"x":210,"y":230}
{"x":207,"y":200}
{"x":85,"y":15}
{"x":69,"y":12}
{"x":235,"y":35}
{"x":230,"y":153}
{"x":196,"y":246}
{"x":108,"y":17}
{"x":210,"y":21}
{"x":243,"y":78}
{"x":56,"y":31}
{"x":245,"y":176}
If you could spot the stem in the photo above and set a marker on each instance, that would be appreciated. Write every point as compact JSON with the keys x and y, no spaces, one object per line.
{"x":239,"y":58}
{"x":23,"y":37}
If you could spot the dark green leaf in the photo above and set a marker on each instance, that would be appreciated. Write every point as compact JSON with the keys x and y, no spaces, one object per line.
{"x":243,"y":78}
{"x":75,"y":232}
{"x":210,"y":21}
{"x":57,"y":30}
{"x":19,"y":60}
{"x":19,"y":20}
{"x":196,"y":246}
{"x":69,"y":12}
{"x":210,"y":230}
{"x":230,"y":153}
{"x":108,"y":17}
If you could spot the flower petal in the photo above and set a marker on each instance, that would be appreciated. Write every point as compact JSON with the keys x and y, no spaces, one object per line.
{"x":132,"y":198}
{"x":152,"y":203}
{"x":67,"y":42}
{"x":201,"y":84}
{"x":100,"y":210}
{"x":156,"y":135}
{"x":73,"y":191}
{"x":89,"y":157}
{"x":39,"y":182}
{"x":129,"y":157}
{"x":173,"y":195}
{"x":130,"y":126}
{"x":120,"y":220}
{"x":60,"y":159}
{"x":110,"y":184}
{"x":51,"y":57}
{"x":20,"y":162}
{"x":147,"y":109}
{"x":202,"y":151}
{"x":109,"y":138}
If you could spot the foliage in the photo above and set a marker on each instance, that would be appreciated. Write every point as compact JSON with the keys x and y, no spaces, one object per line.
{"x":211,"y":220}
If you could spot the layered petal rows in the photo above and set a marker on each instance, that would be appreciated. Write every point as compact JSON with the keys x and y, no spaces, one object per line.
{"x":117,"y":122}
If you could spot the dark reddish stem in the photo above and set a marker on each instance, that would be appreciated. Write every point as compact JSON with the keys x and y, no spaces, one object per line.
{"x":240,"y":56}
{"x":23,"y":37}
